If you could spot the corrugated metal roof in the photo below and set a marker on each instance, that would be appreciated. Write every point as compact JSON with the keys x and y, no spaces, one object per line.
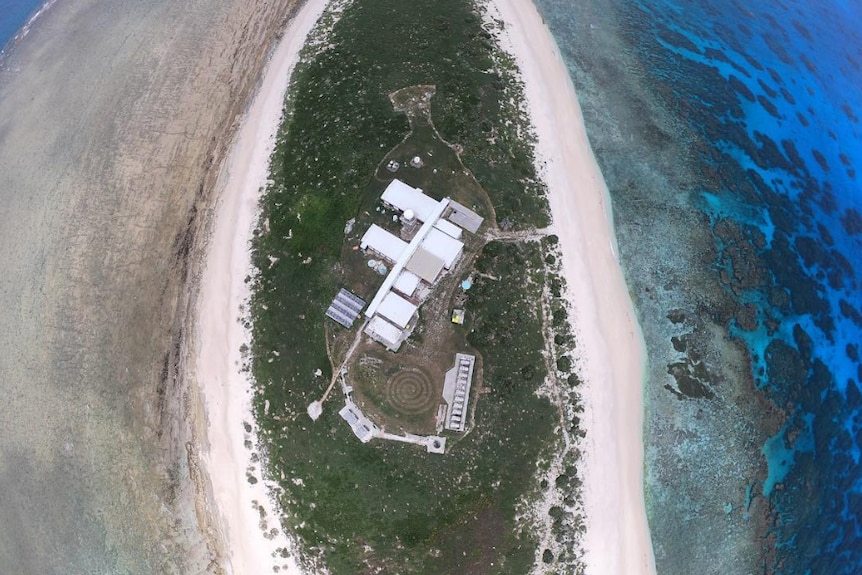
{"x":465,"y":217}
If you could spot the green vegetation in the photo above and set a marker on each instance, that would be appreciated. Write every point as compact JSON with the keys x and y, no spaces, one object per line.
{"x":387,"y":507}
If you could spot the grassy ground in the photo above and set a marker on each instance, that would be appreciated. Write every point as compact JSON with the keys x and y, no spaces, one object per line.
{"x":388,"y":506}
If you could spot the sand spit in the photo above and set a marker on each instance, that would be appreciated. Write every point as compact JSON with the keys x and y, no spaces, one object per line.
{"x":113,"y":118}
{"x":610,"y":346}
{"x":228,"y":392}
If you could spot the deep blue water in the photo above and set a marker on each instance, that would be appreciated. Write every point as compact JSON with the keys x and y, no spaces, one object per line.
{"x":766,"y":96}
{"x":13,"y":15}
{"x":776,"y":89}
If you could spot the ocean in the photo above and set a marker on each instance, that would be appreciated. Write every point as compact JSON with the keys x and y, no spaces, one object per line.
{"x":14,"y":14}
{"x":729,"y":136}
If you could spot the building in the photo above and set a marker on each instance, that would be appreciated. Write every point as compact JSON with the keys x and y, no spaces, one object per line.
{"x":384,"y":244}
{"x":425,"y":265}
{"x":362,"y":427}
{"x":382,"y":331}
{"x":443,"y":246}
{"x":398,"y":311}
{"x":465,"y":217}
{"x":399,"y":196}
{"x":456,"y":392}
{"x":434,"y":247}
{"x":449,"y":228}
{"x":406,"y":283}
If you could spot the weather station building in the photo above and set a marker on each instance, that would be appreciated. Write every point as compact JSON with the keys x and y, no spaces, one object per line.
{"x":434,"y":247}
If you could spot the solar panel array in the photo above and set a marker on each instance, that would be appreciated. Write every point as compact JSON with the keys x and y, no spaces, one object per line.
{"x":345,"y":308}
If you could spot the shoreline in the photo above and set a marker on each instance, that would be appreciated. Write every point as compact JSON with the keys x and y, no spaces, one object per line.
{"x":611,"y":348}
{"x":249,"y":541}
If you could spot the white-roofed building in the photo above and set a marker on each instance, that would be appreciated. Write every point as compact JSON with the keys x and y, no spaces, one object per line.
{"x":398,"y":310}
{"x":449,"y":228}
{"x":402,"y":197}
{"x":443,"y":246}
{"x":383,"y":243}
{"x":384,"y":332}
{"x":362,"y":427}
{"x":407,"y":282}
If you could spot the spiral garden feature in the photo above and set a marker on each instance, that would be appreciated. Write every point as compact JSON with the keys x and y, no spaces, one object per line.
{"x":411,"y":391}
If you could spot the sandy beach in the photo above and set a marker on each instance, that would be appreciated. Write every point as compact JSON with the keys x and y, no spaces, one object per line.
{"x":610,"y":352}
{"x":227,"y":392}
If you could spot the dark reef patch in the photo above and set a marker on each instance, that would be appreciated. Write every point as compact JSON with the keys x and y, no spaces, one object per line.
{"x":852,"y":222}
{"x":676,"y":39}
{"x":768,"y":106}
{"x":788,"y":97}
{"x":740,"y":88}
{"x":765,"y":87}
{"x":821,"y":160}
{"x":776,"y":77}
{"x":801,"y":29}
{"x":809,"y":65}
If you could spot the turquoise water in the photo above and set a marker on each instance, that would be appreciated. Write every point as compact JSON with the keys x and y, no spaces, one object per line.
{"x":729,"y":136}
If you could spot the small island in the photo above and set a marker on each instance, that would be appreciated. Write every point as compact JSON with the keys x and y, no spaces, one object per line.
{"x":408,"y":290}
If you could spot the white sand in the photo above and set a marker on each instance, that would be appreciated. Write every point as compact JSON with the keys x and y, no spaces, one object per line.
{"x":610,"y":346}
{"x":228,"y":392}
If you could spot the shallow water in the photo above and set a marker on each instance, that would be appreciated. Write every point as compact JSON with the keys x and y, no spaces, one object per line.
{"x":729,"y":136}
{"x":112,"y":118}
